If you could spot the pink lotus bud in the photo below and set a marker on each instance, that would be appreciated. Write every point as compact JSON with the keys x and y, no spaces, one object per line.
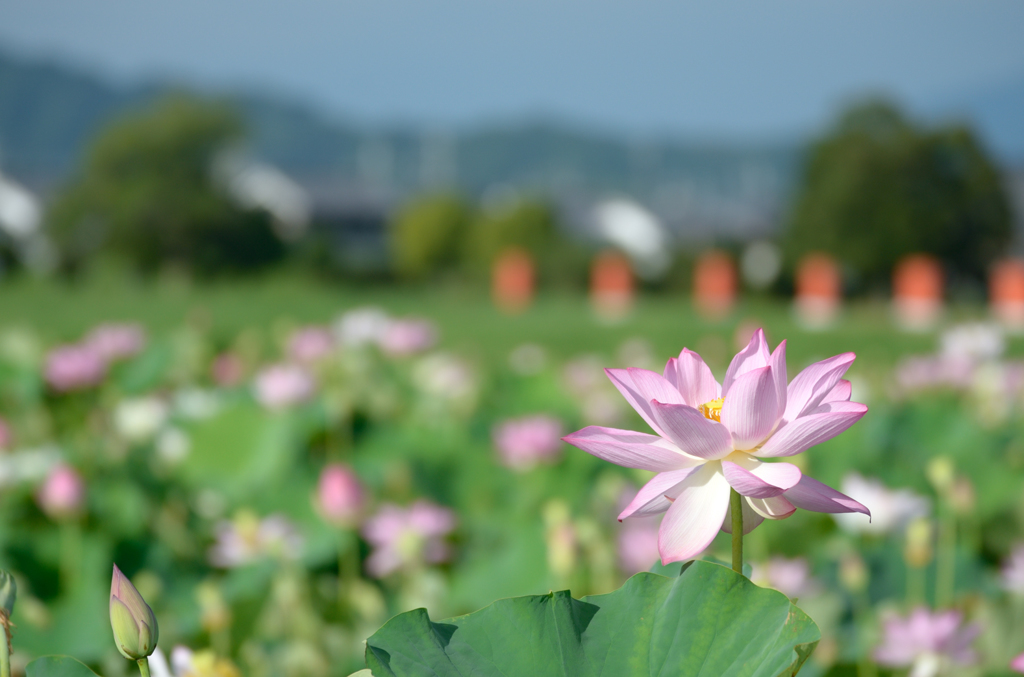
{"x":340,"y":496}
{"x":5,"y":435}
{"x":310,"y":344}
{"x":62,"y":494}
{"x":74,"y":367}
{"x":116,"y":341}
{"x":282,"y":385}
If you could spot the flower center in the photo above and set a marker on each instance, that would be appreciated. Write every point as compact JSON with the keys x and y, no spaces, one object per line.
{"x":712,"y":409}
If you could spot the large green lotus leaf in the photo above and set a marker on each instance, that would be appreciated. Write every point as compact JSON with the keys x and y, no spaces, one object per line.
{"x":707,"y":622}
{"x":240,"y":448}
{"x":57,"y":666}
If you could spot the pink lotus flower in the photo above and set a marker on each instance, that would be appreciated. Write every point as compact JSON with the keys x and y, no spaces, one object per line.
{"x":791,"y":577}
{"x":116,"y":341}
{"x":712,"y":437}
{"x":282,"y":385}
{"x":227,"y":370}
{"x":407,"y":537}
{"x":524,"y":442}
{"x":340,"y":496}
{"x":1017,"y":664}
{"x":310,"y":344}
{"x":408,"y":337}
{"x":931,"y":643}
{"x":1012,"y":573}
{"x":74,"y":367}
{"x":248,"y":538}
{"x":638,"y":545}
{"x":62,"y":493}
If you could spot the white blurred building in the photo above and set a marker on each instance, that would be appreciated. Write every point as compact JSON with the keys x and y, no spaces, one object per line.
{"x":630,"y":227}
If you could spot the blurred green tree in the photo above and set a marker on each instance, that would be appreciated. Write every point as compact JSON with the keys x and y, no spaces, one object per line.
{"x":527,"y":224}
{"x":147,"y":194}
{"x":426,"y":236}
{"x":877,"y":188}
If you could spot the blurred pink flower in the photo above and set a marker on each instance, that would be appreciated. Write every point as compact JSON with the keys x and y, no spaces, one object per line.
{"x":712,"y":438}
{"x":340,"y":496}
{"x":1012,"y":574}
{"x":930,"y":643}
{"x":227,"y":370}
{"x":62,"y":493}
{"x":638,"y":545}
{"x":791,"y":577}
{"x":116,"y":341}
{"x":282,"y":385}
{"x":310,"y":344}
{"x":1017,"y":664}
{"x":74,"y":367}
{"x":407,"y":537}
{"x":408,"y":337}
{"x":524,"y":442}
{"x":247,"y":538}
{"x":5,"y":435}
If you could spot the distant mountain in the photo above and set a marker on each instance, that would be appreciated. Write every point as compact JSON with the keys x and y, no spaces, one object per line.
{"x":49,"y":112}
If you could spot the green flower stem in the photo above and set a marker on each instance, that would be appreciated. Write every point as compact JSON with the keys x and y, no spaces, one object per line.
{"x":5,"y":649}
{"x":945,"y":564}
{"x":736,"y":505}
{"x":144,"y":667}
{"x":70,"y":554}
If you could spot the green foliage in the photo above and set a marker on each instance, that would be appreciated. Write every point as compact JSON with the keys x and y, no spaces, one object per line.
{"x":427,"y":236}
{"x":877,"y":188}
{"x":707,"y":621}
{"x":57,"y":666}
{"x":527,"y":225}
{"x":147,"y":194}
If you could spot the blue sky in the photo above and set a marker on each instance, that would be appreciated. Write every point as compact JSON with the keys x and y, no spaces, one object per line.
{"x":729,"y":68}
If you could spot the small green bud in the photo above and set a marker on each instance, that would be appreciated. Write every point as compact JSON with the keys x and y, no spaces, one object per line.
{"x":133,"y":622}
{"x":8,"y":591}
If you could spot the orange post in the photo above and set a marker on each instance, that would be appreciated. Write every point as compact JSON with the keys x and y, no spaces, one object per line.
{"x":1006,"y":293}
{"x":512,"y":281}
{"x":714,"y":284}
{"x":917,"y":291}
{"x":612,"y":286}
{"x":818,"y":290}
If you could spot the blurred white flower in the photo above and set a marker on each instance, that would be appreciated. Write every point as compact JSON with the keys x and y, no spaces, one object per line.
{"x":361,"y":326}
{"x":28,"y":465}
{"x":138,"y":420}
{"x":445,"y":376}
{"x":173,"y":445}
{"x":891,"y":510}
{"x":977,"y":342}
{"x":196,"y":403}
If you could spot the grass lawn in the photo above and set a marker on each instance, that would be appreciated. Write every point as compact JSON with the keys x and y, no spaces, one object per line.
{"x":563,"y":323}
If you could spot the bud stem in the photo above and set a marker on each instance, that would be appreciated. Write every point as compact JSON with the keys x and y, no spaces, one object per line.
{"x":736,"y":506}
{"x":144,"y":666}
{"x":5,"y":651}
